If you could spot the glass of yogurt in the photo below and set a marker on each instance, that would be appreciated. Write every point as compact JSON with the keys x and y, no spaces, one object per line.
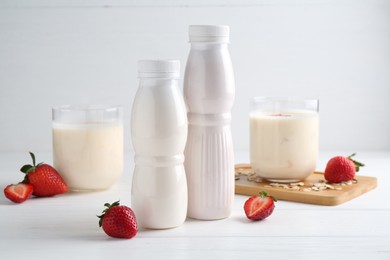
{"x":88,"y":145}
{"x":284,"y":135}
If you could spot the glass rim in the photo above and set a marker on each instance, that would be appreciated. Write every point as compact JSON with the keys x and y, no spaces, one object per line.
{"x":274,"y":104}
{"x":85,"y":107}
{"x":283,"y":99}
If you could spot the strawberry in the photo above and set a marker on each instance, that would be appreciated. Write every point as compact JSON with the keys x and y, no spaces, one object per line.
{"x":341,"y":168}
{"x":45,"y":180}
{"x":118,"y":221}
{"x":18,"y":192}
{"x":259,"y":207}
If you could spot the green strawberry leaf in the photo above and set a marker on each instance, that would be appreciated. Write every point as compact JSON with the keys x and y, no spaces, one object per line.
{"x":357,"y":164}
{"x":108,"y":206}
{"x":264,"y":194}
{"x":27,"y":168}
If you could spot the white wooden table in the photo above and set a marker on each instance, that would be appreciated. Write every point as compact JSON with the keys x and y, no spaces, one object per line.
{"x":66,"y":226}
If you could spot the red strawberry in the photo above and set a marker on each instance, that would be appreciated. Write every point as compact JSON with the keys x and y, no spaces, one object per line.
{"x":259,"y":207}
{"x":118,"y":221}
{"x":44,"y":178}
{"x":18,"y":192}
{"x":341,"y":168}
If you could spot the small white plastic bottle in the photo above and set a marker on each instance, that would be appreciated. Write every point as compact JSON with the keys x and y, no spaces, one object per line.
{"x":209,"y":94}
{"x":159,"y":134}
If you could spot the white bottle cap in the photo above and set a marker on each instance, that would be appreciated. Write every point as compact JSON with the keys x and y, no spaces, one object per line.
{"x":159,"y":69}
{"x":209,"y":33}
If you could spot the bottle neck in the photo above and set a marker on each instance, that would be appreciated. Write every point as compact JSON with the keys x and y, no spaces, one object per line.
{"x":208,"y":45}
{"x":158,"y":81}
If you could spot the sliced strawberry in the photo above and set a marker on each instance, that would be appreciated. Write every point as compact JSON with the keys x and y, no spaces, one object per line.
{"x":259,"y":207}
{"x":18,"y":192}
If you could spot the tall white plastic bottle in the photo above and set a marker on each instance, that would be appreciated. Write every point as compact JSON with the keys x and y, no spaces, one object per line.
{"x":209,"y":95}
{"x":159,"y":134}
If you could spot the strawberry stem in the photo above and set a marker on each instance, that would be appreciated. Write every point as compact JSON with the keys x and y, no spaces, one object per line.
{"x":33,"y":158}
{"x":28,"y":167}
{"x":108,"y":207}
{"x":264,"y":194}
{"x":357,"y":164}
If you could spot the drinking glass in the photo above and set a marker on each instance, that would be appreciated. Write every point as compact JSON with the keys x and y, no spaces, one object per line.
{"x":284,"y":135}
{"x":88,"y":145}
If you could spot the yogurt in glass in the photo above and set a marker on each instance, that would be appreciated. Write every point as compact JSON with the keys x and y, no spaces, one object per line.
{"x":284,"y":137}
{"x":88,"y":145}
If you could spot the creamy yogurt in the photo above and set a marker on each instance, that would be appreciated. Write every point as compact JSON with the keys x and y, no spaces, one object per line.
{"x":284,"y":145}
{"x":88,"y":156}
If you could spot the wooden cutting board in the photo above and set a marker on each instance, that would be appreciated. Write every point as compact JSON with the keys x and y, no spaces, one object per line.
{"x":335,"y":194}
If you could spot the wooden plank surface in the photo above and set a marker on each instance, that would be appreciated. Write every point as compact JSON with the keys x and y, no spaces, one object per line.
{"x":328,"y":197}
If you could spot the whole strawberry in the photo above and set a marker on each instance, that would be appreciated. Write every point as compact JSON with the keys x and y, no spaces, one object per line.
{"x":118,"y":221}
{"x":45,"y":180}
{"x":259,"y":207}
{"x":18,"y":193}
{"x":341,"y":168}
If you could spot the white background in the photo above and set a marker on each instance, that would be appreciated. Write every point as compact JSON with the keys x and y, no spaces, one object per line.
{"x":65,"y":51}
{"x":71,"y":52}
